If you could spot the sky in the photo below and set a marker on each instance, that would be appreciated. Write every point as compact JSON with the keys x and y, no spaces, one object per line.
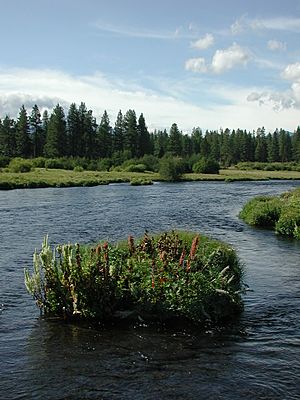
{"x":209,"y":64}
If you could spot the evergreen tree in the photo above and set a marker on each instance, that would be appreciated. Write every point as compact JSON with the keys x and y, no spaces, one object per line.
{"x":160,"y":141}
{"x":37,"y":132}
{"x":144,"y":143}
{"x":285,"y":146}
{"x":296,"y":144}
{"x":56,"y":139}
{"x":273,"y":147}
{"x":8,"y":137}
{"x":87,"y":133}
{"x":196,"y":138}
{"x":261,"y":145}
{"x":205,"y":147}
{"x":130,"y":134}
{"x":118,"y":135}
{"x":73,"y":132}
{"x":105,"y":137}
{"x":23,"y":142}
{"x":175,"y":141}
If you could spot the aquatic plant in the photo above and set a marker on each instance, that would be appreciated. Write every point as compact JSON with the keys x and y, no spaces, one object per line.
{"x":172,"y":275}
{"x":279,"y":212}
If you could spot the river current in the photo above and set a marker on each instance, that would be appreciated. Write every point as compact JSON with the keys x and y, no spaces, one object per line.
{"x":257,"y":358}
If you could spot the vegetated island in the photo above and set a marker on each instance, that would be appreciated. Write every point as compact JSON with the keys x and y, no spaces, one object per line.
{"x":281,"y":213}
{"x":171,"y":276}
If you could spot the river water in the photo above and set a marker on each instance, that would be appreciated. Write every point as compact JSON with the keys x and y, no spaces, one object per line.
{"x":258,"y":358}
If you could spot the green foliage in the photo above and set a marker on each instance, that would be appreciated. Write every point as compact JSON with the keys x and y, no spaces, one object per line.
{"x":4,"y":161}
{"x":206,"y":166}
{"x":136,"y":168}
{"x":19,"y":165}
{"x":263,"y":211}
{"x":140,"y":182}
{"x":166,"y":276}
{"x":170,"y":169}
{"x":274,"y":166}
{"x":78,"y":168}
{"x":280,"y":212}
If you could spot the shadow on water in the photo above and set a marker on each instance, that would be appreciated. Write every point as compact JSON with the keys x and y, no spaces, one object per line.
{"x":258,"y":358}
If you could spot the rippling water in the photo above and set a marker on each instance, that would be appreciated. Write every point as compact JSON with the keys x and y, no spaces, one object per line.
{"x":256,"y":359}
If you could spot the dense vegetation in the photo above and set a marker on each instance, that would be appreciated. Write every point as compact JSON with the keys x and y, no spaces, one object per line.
{"x":172,"y":275}
{"x":77,"y":134}
{"x":281,"y":213}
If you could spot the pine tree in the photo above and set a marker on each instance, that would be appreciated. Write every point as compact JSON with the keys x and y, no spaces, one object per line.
{"x":104,"y":137}
{"x":73,"y":132}
{"x":175,"y":141}
{"x":37,"y":132}
{"x":130,"y":134}
{"x":196,"y":138}
{"x":8,"y":137}
{"x":160,"y":143}
{"x":23,"y":142}
{"x":296,"y":144}
{"x":144,"y":143}
{"x":261,"y":145}
{"x":118,"y":135}
{"x":56,"y":139}
{"x":285,"y":146}
{"x":273,"y":147}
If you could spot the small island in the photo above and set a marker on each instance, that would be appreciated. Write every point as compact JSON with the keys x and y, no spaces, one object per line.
{"x":281,"y":213}
{"x":173,"y":275}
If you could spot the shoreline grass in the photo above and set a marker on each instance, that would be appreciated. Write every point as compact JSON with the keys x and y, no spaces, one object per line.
{"x":41,"y":177}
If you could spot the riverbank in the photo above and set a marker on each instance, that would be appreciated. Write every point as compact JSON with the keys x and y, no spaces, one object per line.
{"x":281,"y":213}
{"x":41,"y":177}
{"x":174,"y":275}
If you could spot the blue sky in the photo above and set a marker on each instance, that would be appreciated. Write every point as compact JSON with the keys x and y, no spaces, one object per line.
{"x":213,"y":64}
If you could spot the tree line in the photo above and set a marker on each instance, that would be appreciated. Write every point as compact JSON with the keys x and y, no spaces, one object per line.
{"x":77,"y":134}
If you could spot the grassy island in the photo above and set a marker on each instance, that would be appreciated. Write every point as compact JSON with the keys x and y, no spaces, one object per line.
{"x":174,"y":275}
{"x":281,"y":213}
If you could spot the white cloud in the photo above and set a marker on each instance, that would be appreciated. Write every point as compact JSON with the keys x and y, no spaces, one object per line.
{"x":290,"y":24}
{"x":292,"y":72}
{"x":229,"y":58}
{"x":238,"y":26}
{"x":196,"y":65}
{"x":231,"y":108}
{"x":275,"y":45}
{"x":204,"y":42}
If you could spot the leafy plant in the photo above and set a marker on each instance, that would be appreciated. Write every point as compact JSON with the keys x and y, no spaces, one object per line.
{"x":159,"y":277}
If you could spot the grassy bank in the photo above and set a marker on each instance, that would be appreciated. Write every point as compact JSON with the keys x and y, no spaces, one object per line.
{"x":41,"y":177}
{"x":281,"y":213}
{"x":173,"y":275}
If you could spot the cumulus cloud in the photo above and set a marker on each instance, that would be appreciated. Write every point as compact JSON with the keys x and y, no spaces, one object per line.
{"x":288,"y":99}
{"x":203,"y":43}
{"x":229,"y":58}
{"x":292,"y":72}
{"x":196,"y":65}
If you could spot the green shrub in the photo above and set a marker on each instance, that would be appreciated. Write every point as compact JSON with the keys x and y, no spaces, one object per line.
{"x":170,"y":169}
{"x":140,"y":182}
{"x":39,"y":162}
{"x":136,"y":168}
{"x":166,"y":276}
{"x":151,"y":162}
{"x":78,"y":168}
{"x":20,"y":165}
{"x":206,"y":166}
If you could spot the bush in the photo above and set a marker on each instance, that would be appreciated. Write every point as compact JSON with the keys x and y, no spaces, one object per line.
{"x":78,"y":168}
{"x":20,"y":165}
{"x":170,"y":275}
{"x":39,"y":162}
{"x":206,"y":166}
{"x":136,"y":168}
{"x":140,"y":182}
{"x":170,"y":169}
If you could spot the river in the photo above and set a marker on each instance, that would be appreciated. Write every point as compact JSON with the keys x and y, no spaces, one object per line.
{"x":257,"y":358}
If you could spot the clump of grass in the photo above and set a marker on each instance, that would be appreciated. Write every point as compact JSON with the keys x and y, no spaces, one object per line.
{"x":171,"y":275}
{"x":279,"y":212}
{"x":140,"y":182}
